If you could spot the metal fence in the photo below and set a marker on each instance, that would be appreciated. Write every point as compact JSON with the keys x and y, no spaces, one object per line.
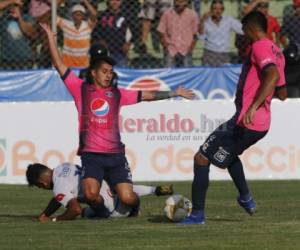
{"x":138,"y":33}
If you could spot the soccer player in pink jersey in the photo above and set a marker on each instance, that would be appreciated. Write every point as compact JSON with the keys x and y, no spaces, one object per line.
{"x":262,"y":75}
{"x":98,"y":104}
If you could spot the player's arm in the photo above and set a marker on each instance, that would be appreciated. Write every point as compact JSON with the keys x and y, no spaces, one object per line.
{"x":161,"y":95}
{"x":52,"y":207}
{"x":56,"y":58}
{"x":73,"y":209}
{"x":281,"y":93}
{"x":270,"y":78}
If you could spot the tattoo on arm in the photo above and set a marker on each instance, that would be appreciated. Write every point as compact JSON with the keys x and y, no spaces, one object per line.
{"x":161,"y":95}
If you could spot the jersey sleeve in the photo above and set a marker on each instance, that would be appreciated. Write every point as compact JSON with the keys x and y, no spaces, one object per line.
{"x":129,"y":97}
{"x":265,"y":54}
{"x":73,"y":83}
{"x":63,"y":185}
{"x":62,"y":193}
{"x":262,"y":54}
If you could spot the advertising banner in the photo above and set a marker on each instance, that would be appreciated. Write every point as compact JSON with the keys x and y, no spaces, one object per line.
{"x":46,"y":85}
{"x":161,"y":138}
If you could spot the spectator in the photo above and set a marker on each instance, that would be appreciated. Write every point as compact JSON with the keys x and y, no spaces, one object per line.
{"x":178,"y":27}
{"x":273,"y":24}
{"x":40,"y":10}
{"x":289,"y":10}
{"x":112,"y":32}
{"x":290,"y":32}
{"x":152,"y":10}
{"x":77,"y":35}
{"x":16,"y":36}
{"x":197,"y":6}
{"x":216,"y":29}
{"x":131,"y":10}
{"x":145,"y":60}
{"x":243,"y":46}
{"x":290,"y":38}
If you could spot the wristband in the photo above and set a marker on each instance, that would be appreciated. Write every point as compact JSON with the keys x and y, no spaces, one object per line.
{"x":54,"y":219}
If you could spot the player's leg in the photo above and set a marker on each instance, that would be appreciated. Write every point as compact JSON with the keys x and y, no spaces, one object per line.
{"x":245,"y":138}
{"x":128,"y":197}
{"x":199,"y":189}
{"x":244,"y":199}
{"x":92,"y":176}
{"x":142,"y":190}
{"x":118,"y":176}
{"x":212,"y":151}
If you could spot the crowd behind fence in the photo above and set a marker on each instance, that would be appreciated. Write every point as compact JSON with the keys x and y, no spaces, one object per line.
{"x":142,"y":33}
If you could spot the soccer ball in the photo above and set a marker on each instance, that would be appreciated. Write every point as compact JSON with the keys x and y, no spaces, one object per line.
{"x":177,"y":207}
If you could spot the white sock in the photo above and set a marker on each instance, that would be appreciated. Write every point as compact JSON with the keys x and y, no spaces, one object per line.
{"x":142,"y":190}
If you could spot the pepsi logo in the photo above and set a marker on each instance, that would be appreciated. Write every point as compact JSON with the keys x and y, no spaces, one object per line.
{"x":2,"y":158}
{"x":148,"y":83}
{"x":99,"y":107}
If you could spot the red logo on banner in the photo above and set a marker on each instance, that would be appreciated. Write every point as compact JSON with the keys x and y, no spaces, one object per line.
{"x":148,"y":83}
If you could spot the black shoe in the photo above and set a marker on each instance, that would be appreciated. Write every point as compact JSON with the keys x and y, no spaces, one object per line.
{"x":164,"y":190}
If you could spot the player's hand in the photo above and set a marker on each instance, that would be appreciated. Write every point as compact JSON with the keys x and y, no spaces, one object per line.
{"x":43,"y":218}
{"x":249,"y":115}
{"x":186,"y":93}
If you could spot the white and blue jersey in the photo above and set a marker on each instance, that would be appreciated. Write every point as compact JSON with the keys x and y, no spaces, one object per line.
{"x":66,"y":186}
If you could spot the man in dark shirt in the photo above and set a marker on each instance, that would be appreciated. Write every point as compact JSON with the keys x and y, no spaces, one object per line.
{"x":112,"y":32}
{"x":290,"y":27}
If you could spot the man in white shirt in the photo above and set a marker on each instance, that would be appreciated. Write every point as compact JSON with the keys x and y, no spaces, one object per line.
{"x":215,"y":29}
{"x":64,"y":180}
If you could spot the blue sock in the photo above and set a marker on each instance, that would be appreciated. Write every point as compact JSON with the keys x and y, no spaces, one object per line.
{"x":197,"y":213}
{"x":199,"y":187}
{"x":100,"y":209}
{"x":236,"y":172}
{"x":135,"y":209}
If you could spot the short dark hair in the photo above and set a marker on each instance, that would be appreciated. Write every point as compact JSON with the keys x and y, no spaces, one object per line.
{"x":213,"y":2}
{"x":256,"y":18}
{"x":34,"y":172}
{"x":94,"y":64}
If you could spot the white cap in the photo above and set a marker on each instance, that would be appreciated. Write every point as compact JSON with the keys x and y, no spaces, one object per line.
{"x":78,"y":7}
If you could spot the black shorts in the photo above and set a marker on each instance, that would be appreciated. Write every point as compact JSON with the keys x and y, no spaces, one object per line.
{"x":113,"y":168}
{"x":227,"y":142}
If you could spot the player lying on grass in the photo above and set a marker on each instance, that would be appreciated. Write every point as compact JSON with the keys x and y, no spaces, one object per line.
{"x":64,"y":180}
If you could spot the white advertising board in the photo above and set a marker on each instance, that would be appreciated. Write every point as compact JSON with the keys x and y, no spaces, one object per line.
{"x":161,"y":139}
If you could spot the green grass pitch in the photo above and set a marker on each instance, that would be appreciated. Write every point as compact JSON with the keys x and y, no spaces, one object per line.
{"x":275,"y":226}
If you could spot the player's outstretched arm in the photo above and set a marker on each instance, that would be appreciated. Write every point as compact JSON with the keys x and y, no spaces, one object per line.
{"x":72,"y":211}
{"x":56,"y":58}
{"x":161,"y":95}
{"x":270,"y":78}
